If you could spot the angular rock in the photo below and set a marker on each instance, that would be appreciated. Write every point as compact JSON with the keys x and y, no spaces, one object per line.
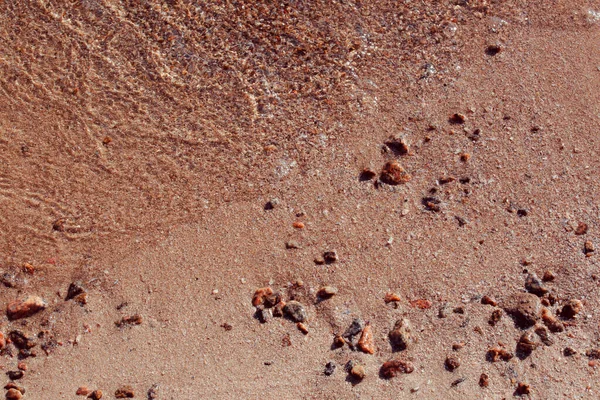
{"x":451,"y":363}
{"x":393,"y":174}
{"x":393,"y":368}
{"x":484,"y":380}
{"x":26,"y":308}
{"x":543,"y":334}
{"x":571,"y":309}
{"x":75,"y":289}
{"x":398,"y":145}
{"x":552,"y":322}
{"x":526,"y":344}
{"x":329,"y":368}
{"x":401,"y":335}
{"x":330,"y":257}
{"x":495,"y":317}
{"x":497,"y":353}
{"x":354,"y":329}
{"x":95,"y":395}
{"x":295,"y":311}
{"x":534,"y":285}
{"x":524,"y":308}
{"x":21,"y":340}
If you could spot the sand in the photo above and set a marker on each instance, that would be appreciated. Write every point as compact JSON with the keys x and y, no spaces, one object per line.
{"x":139,"y":144}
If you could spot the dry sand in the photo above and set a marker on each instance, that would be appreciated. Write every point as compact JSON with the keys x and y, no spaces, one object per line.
{"x":140,"y":142}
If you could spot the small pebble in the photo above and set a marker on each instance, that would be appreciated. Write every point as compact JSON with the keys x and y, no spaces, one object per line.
{"x":457,"y":118}
{"x":327,"y":292}
{"x":523,"y":389}
{"x":95,"y":395}
{"x":329,"y":368}
{"x":548,"y":276}
{"x":487,"y":300}
{"x":82,"y":391}
{"x":534,"y":285}
{"x":393,"y":174}
{"x":358,"y":372}
{"x":271,"y":204}
{"x":493,"y":49}
{"x":495,"y":317}
{"x":390,"y":297}
{"x":260,"y":294}
{"x":302,"y":328}
{"x":330,"y":257}
{"x":458,"y":382}
{"x":153,"y":392}
{"x":524,"y":308}
{"x":569,"y":351}
{"x":129,"y":320}
{"x":13,"y":394}
{"x":484,"y":380}
{"x":497,"y":353}
{"x":393,"y":368}
{"x":552,"y":322}
{"x":526,"y":343}
{"x":125,"y":392}
{"x":295,"y":311}
{"x":588,"y":248}
{"x":292,"y":244}
{"x":452,"y":362}
{"x":581,"y":229}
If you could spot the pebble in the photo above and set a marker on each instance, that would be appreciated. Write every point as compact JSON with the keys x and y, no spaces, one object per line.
{"x":465,"y":157}
{"x":75,"y":289}
{"x":295,"y":311}
{"x":264,"y":315}
{"x":125,"y":392}
{"x":497,"y":353}
{"x":542,"y":332}
{"x":260,"y":294}
{"x":401,"y":335}
{"x":302,"y":328}
{"x":298,"y":225}
{"x":569,"y":351}
{"x":487,"y":300}
{"x":153,"y":392}
{"x":571,"y":309}
{"x":271,"y":300}
{"x":458,"y":346}
{"x":278,"y":309}
{"x":581,"y":229}
{"x":292,"y":244}
{"x":393,"y":368}
{"x":458,"y":381}
{"x":338,"y":341}
{"x":365,"y":343}
{"x":12,"y":385}
{"x":457,"y":118}
{"x":398,"y":145}
{"x":271,"y":204}
{"x":422,"y":304}
{"x":493,"y":49}
{"x":326,"y":292}
{"x":526,"y":343}
{"x":588,"y":248}
{"x":14,"y":375}
{"x":452,"y":362}
{"x":358,"y":372}
{"x":534,"y":285}
{"x":552,"y":322}
{"x":444,"y":310}
{"x":129,"y":320}
{"x":22,"y":309}
{"x":549,"y":276}
{"x":524,"y":308}
{"x":484,"y":380}
{"x":95,"y":395}
{"x":13,"y":394}
{"x":390,"y":297}
{"x":354,"y":329}
{"x":593,"y":354}
{"x":330,"y":257}
{"x":523,"y":389}
{"x":82,"y":391}
{"x":329,"y":368}
{"x":432,"y":204}
{"x":21,"y":340}
{"x":2,"y":341}
{"x":495,"y":317}
{"x":393,"y":174}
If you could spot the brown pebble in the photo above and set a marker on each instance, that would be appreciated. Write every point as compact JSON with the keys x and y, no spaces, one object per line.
{"x":588,"y":248}
{"x":135,"y":319}
{"x":12,"y":385}
{"x":487,"y":300}
{"x":497,"y":353}
{"x":358,"y":372}
{"x":95,"y":395}
{"x":365,"y":343}
{"x":465,"y":157}
{"x":523,"y":389}
{"x":327,"y":292}
{"x":543,"y":334}
{"x":457,"y":118}
{"x":125,"y":392}
{"x":13,"y":394}
{"x":22,"y":309}
{"x":302,"y":328}
{"x":330,"y":257}
{"x":22,"y":366}
{"x":2,"y":341}
{"x":260,"y":295}
{"x":571,"y":309}
{"x":82,"y":391}
{"x":278,"y":309}
{"x":552,"y":322}
{"x":495,"y":317}
{"x":548,"y":276}
{"x":534,"y":285}
{"x":393,"y":174}
{"x":452,"y":362}
{"x":458,"y":346}
{"x":390,"y":297}
{"x":569,"y":351}
{"x":393,"y":368}
{"x":367,"y":174}
{"x":493,"y":49}
{"x":484,"y":380}
{"x":582,"y":229}
{"x":398,"y":145}
{"x":526,"y":343}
